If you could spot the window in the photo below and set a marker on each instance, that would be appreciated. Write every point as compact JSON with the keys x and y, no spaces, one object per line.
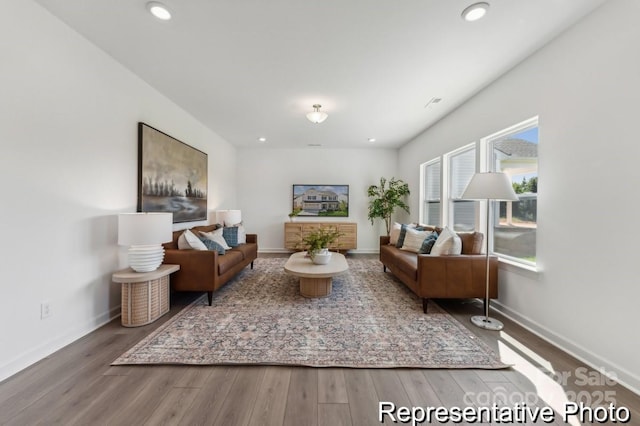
{"x":514,"y":151}
{"x":462,"y":167}
{"x":430,"y":206}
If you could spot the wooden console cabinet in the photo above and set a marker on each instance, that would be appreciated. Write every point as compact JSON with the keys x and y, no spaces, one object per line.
{"x":294,"y":233}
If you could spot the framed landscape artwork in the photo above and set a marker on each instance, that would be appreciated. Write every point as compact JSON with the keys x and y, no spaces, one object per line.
{"x":321,"y":200}
{"x":172,"y":176}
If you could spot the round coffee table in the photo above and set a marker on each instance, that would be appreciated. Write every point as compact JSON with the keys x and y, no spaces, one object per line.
{"x":315,"y":280}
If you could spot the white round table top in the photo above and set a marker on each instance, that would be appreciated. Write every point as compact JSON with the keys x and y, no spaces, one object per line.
{"x":301,"y":266}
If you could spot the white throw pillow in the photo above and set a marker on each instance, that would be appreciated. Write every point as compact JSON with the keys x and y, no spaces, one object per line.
{"x":217,"y":237}
{"x":188,"y":240}
{"x":395,"y":233}
{"x":413,"y":240}
{"x":448,"y":242}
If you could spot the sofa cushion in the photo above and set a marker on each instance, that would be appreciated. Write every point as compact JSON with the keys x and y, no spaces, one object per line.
{"x":188,"y":241}
{"x":428,"y":243}
{"x":216,"y":236}
{"x":447,"y":243}
{"x":395,"y":233}
{"x":471,"y":242}
{"x":413,"y":240}
{"x":212,"y":245}
{"x":249,"y":251}
{"x":228,"y":261}
{"x":403,"y":233}
{"x":230,"y":235}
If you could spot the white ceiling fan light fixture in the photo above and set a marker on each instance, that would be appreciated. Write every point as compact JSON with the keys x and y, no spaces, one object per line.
{"x":475,"y":11}
{"x":159,"y":10}
{"x":317,"y":116}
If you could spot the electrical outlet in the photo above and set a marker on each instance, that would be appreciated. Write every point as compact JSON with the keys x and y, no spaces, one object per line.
{"x":45,"y":310}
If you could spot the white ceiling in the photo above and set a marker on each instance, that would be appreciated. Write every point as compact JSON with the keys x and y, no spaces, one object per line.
{"x":252,"y":68}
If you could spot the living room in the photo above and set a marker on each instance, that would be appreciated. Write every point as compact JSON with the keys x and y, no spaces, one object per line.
{"x":69,"y":116}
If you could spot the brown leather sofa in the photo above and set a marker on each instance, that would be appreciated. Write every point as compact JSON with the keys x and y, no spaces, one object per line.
{"x":206,"y":270}
{"x":443,"y":277}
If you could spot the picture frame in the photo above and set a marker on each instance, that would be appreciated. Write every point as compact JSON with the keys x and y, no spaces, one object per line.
{"x":320,"y":200}
{"x":172,"y":176}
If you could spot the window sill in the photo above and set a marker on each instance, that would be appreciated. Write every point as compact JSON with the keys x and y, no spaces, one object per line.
{"x":518,"y":267}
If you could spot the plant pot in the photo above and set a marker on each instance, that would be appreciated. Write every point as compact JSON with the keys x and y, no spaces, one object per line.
{"x":321,"y":258}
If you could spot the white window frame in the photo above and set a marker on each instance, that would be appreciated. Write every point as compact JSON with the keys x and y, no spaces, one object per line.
{"x":486,"y":150}
{"x":447,"y":206}
{"x":423,"y":192}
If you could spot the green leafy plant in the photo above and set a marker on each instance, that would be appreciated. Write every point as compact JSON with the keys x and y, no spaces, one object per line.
{"x":384,"y":199}
{"x":295,"y":212}
{"x":319,"y":239}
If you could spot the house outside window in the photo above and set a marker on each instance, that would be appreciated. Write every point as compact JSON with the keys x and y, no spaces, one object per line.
{"x":514,"y":151}
{"x":430,"y":204}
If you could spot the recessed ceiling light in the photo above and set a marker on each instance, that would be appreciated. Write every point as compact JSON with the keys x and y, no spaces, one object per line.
{"x":262,"y":140}
{"x":159,"y":10}
{"x":371,"y":139}
{"x":475,"y":11}
{"x":314,"y":144}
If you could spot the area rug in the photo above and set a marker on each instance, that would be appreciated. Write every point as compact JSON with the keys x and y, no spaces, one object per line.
{"x":370,"y":320}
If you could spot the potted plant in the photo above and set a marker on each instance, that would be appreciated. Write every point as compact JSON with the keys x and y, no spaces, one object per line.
{"x":386,"y":198}
{"x":319,"y":240}
{"x":295,"y":212}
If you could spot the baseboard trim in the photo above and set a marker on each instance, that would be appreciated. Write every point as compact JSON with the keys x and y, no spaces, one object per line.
{"x":624,"y":377}
{"x":42,"y":351}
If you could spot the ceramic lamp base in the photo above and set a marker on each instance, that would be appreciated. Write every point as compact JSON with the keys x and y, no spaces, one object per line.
{"x":146,"y":258}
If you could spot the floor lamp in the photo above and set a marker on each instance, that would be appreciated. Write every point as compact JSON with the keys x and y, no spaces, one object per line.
{"x":489,"y":186}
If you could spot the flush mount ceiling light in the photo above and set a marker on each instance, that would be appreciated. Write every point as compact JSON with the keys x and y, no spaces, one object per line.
{"x":371,"y":140}
{"x":159,"y":10}
{"x":262,"y":140}
{"x":317,"y":116}
{"x":475,"y":11}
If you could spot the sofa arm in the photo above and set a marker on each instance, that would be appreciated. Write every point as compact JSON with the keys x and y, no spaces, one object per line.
{"x":456,"y":276}
{"x":384,"y":240}
{"x":252,"y":238}
{"x":198,"y":269}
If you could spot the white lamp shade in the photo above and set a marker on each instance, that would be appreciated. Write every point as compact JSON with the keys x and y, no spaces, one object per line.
{"x":233,"y":217}
{"x":490,"y":186}
{"x":229,"y":217}
{"x":139,"y":229}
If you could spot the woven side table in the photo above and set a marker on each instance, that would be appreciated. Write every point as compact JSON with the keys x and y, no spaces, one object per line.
{"x":145,"y":295}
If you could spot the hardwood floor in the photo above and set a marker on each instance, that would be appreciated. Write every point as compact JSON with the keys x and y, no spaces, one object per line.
{"x":77,"y":386}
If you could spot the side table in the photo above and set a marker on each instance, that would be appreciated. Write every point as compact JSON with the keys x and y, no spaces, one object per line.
{"x":145,"y":295}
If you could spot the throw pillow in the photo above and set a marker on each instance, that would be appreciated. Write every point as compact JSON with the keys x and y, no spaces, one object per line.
{"x":188,"y":241}
{"x":212,"y":245}
{"x":230,"y":234}
{"x":403,"y":233}
{"x":217,"y":237}
{"x":394,"y":234}
{"x":448,"y":242}
{"x":413,"y":240}
{"x":242,"y":234}
{"x":428,"y":243}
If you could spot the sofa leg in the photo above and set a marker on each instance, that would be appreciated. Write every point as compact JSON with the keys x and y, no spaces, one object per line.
{"x":210,"y":297}
{"x":384,"y":268}
{"x":252,"y":264}
{"x":425,"y":302}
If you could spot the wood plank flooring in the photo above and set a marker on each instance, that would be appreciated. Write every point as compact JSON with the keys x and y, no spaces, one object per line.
{"x":77,"y":386}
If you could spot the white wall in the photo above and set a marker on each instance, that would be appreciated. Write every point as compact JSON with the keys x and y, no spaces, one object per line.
{"x":266,"y":176}
{"x":68,"y":133}
{"x":585,"y":88}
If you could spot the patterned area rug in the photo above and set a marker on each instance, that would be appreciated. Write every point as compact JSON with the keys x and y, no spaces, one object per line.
{"x":371,"y":320}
